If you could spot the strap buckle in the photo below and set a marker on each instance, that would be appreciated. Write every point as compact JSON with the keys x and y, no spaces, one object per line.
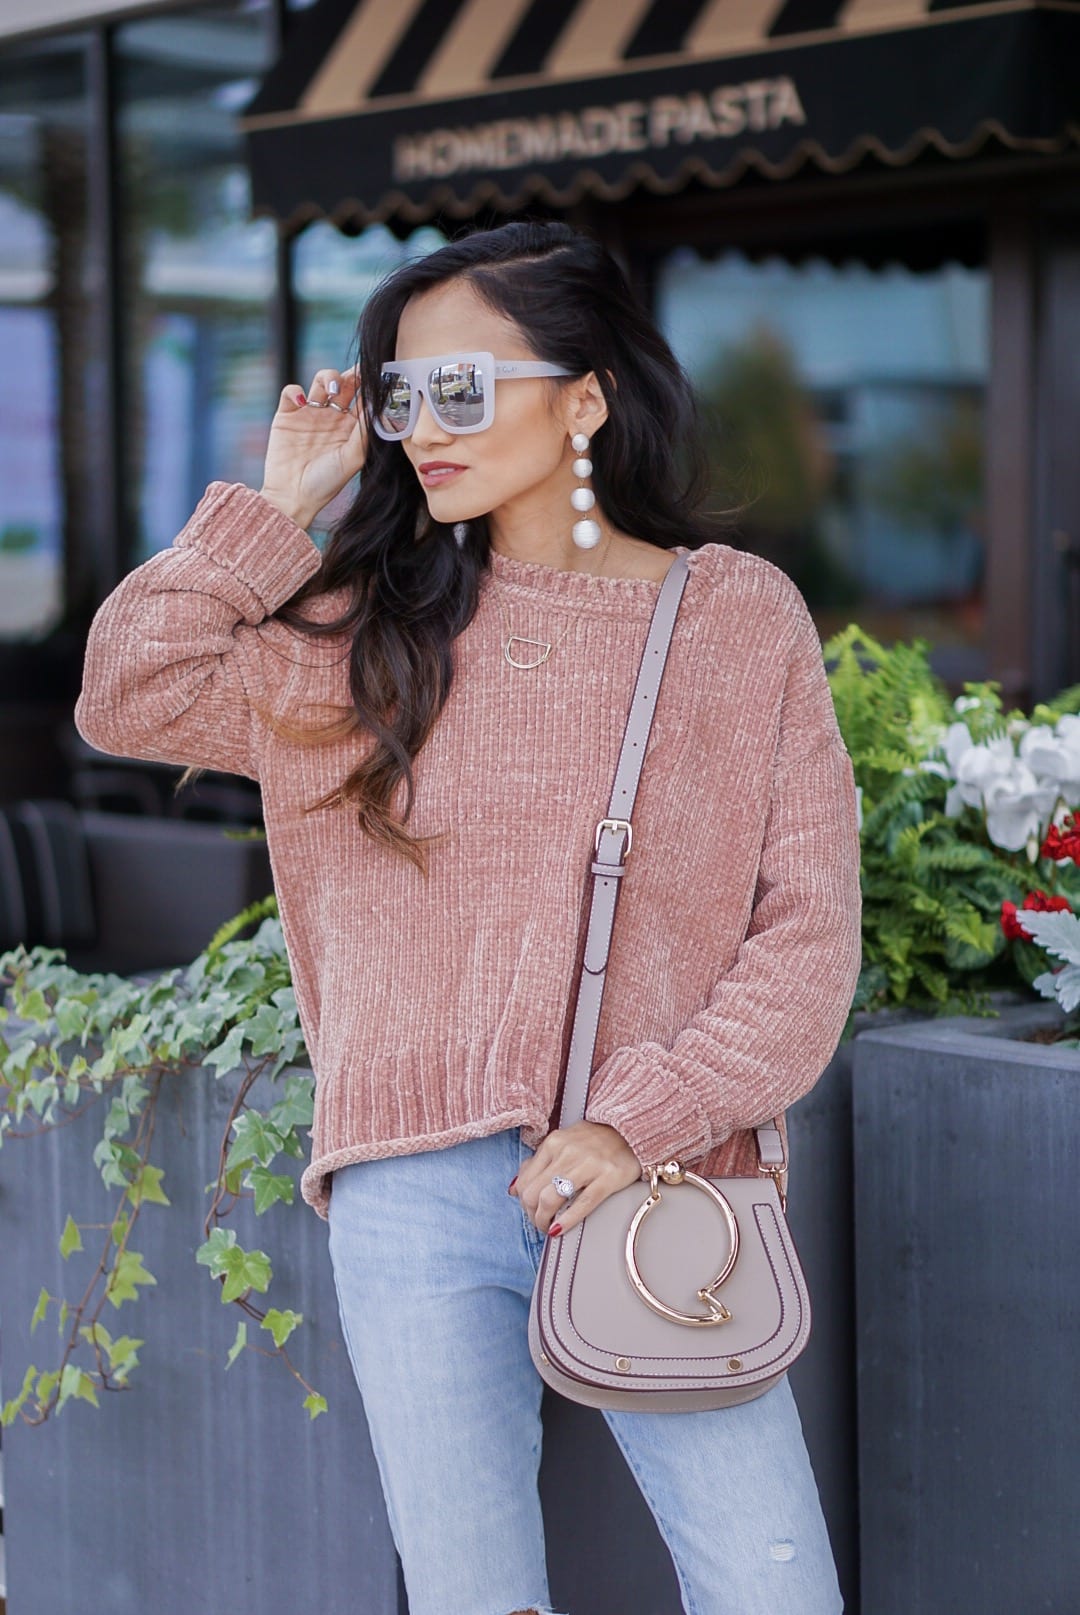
{"x":614,"y":824}
{"x":772,"y":1157}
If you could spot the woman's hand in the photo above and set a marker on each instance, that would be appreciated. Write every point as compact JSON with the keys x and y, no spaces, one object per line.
{"x":315,"y":445}
{"x":597,"y":1160}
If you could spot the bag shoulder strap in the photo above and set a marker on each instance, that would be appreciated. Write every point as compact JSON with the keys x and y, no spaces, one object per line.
{"x":611,"y":845}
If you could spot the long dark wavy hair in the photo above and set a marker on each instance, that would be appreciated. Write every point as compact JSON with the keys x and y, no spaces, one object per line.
{"x":411,"y":587}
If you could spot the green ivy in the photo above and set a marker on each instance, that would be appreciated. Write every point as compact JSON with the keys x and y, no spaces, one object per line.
{"x":77,"y":1040}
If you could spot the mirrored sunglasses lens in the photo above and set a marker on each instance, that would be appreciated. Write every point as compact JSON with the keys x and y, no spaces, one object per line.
{"x":396,"y":401}
{"x":457,"y":393}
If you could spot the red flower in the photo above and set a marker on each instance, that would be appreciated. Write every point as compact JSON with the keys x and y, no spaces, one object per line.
{"x":1037,"y":900}
{"x":1062,"y":843}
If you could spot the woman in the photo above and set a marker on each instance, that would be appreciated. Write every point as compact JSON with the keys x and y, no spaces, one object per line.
{"x":433,"y":710}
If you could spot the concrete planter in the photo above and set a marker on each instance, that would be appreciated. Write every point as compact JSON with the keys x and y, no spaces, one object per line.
{"x":822,"y":1217}
{"x":967,"y":1274}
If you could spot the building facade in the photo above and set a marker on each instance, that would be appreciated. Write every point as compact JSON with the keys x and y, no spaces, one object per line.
{"x":858,"y":223}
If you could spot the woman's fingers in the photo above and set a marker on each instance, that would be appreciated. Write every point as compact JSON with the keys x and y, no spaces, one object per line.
{"x":318,"y":389}
{"x":555,"y":1207}
{"x":596,"y":1159}
{"x":291,"y":397}
{"x":349,"y":396}
{"x":571,"y":1212}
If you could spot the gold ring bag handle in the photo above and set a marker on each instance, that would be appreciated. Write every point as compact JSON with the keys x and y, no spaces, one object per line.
{"x":715,"y":1312}
{"x":620,"y":1316}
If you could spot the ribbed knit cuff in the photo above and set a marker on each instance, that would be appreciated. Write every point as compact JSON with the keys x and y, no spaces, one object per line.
{"x":659,"y":1116}
{"x":261,"y":546}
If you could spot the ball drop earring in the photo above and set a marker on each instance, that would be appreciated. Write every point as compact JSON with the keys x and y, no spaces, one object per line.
{"x":586,"y":532}
{"x":461,"y":533}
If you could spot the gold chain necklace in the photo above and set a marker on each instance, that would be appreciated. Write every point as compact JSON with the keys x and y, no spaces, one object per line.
{"x":545,"y":647}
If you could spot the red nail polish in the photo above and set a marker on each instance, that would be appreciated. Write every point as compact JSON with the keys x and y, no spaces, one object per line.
{"x":300,"y":398}
{"x":510,"y":1185}
{"x":556,"y":1228}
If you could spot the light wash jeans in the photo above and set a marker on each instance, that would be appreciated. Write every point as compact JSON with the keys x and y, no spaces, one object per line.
{"x":434,"y":1266}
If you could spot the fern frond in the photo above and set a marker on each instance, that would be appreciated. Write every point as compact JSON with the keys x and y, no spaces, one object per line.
{"x":265,"y":908}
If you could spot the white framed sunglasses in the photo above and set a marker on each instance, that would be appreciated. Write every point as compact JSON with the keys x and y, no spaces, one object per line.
{"x":459,"y":388}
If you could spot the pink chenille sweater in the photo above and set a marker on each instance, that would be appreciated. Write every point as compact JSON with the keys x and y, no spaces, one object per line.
{"x":437,"y":1009}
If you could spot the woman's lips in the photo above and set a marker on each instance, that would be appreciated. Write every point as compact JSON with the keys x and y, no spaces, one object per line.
{"x":440,"y":474}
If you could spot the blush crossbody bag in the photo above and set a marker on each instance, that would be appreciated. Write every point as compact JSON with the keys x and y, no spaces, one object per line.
{"x":691,"y":1296}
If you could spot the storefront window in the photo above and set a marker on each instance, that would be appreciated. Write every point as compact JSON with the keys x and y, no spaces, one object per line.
{"x":199,"y":273}
{"x":845,"y":409}
{"x":46,"y":408}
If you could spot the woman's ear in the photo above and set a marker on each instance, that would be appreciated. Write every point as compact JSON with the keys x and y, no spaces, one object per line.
{"x":588,"y":407}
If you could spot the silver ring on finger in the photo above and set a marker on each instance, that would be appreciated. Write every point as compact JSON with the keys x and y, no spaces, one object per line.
{"x":565,"y":1186}
{"x":341,"y":408}
{"x":313,"y":403}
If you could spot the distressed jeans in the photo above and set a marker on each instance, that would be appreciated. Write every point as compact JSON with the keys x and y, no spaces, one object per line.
{"x":434,"y":1266}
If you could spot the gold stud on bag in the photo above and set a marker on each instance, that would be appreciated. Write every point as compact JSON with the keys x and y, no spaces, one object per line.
{"x":693,"y":1296}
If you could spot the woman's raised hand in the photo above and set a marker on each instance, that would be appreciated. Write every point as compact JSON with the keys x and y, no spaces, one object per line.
{"x":318,"y":441}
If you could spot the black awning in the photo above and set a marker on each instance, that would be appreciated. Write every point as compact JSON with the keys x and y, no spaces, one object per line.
{"x":398,"y":110}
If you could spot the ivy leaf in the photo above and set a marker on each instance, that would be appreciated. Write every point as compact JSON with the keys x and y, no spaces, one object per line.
{"x":70,"y":1239}
{"x":127,"y":1036}
{"x":281,"y":1324}
{"x":96,"y":1334}
{"x":71,"y":1016}
{"x":75,"y":1382}
{"x":297,"y":1106}
{"x":10,"y":1410}
{"x":246,"y":1270}
{"x":315,"y":1404}
{"x":238,"y":1344}
{"x":34,"y":1008}
{"x":256,"y":1139}
{"x":211,"y":1253}
{"x":123,"y":1357}
{"x":269,"y":1187}
{"x":242,"y":1270}
{"x":127,"y":1273}
{"x":227,"y":1055}
{"x":265,"y":1029}
{"x":40,"y":1310}
{"x":291,"y":1145}
{"x":105,"y":1065}
{"x":46,"y":1385}
{"x":147,"y":1186}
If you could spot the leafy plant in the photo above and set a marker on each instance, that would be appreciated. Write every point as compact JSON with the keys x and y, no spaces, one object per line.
{"x":937,"y":885}
{"x":74,"y":1041}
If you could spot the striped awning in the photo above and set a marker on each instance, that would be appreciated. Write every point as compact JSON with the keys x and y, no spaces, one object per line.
{"x":399,"y":110}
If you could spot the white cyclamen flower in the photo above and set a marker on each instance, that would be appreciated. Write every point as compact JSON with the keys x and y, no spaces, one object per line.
{"x":1053,"y":756}
{"x":977,"y":767}
{"x":1016,"y":808}
{"x":957,"y":741}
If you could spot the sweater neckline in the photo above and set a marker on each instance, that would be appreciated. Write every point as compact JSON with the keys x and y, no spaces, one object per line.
{"x":557,"y":584}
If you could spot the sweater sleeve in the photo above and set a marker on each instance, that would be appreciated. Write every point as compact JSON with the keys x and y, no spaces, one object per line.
{"x":774,"y":1018}
{"x":172,"y":670}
